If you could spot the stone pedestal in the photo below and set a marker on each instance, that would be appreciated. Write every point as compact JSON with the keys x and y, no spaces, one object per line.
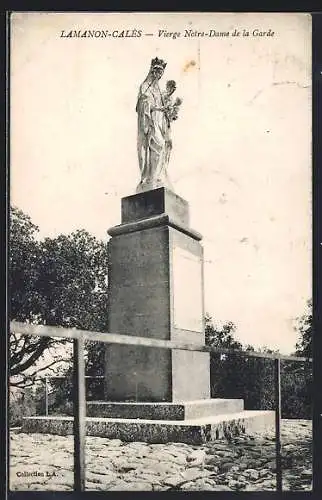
{"x":156,"y":291}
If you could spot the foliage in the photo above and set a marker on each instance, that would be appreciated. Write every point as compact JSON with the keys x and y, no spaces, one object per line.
{"x":59,"y":281}
{"x":26,"y":402}
{"x":222,"y":337}
{"x":252,"y":379}
{"x":23,"y":267}
{"x":22,"y":404}
{"x":236,"y":376}
{"x":297,"y":389}
{"x":298,"y":379}
{"x":304,"y":328}
{"x":73,"y":281}
{"x":24,"y":297}
{"x":61,"y":392}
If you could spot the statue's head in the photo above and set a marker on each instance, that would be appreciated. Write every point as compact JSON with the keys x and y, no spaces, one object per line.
{"x":157,"y":68}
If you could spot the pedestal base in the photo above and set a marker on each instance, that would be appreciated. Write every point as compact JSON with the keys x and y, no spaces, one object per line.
{"x":196,"y":431}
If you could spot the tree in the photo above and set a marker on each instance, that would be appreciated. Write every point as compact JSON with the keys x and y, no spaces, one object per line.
{"x":23,"y":267}
{"x":59,"y":281}
{"x":304,"y":328}
{"x":237,"y":376}
{"x":252,"y":379}
{"x":297,"y":377}
{"x":220,"y":337}
{"x":73,"y":281}
{"x":24,"y":297}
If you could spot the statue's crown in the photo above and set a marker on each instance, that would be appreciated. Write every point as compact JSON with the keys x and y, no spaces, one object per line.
{"x":158,"y":63}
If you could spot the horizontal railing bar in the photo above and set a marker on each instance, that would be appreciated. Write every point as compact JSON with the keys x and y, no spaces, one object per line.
{"x":65,"y":376}
{"x":44,"y":330}
{"x":115,"y":338}
{"x":143,"y":341}
{"x":257,"y":354}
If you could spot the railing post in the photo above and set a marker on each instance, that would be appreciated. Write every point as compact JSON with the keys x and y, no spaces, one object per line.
{"x":278,"y":415}
{"x":79,"y":415}
{"x":46,"y":396}
{"x":136,"y":386}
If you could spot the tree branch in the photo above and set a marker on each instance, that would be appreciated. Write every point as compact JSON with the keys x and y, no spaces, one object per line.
{"x":47,"y":366}
{"x":15,"y":370}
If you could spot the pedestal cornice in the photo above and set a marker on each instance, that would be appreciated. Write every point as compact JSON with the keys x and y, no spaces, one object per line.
{"x":160,"y":220}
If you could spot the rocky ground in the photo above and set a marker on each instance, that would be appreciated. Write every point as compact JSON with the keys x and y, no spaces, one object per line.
{"x":45,"y":462}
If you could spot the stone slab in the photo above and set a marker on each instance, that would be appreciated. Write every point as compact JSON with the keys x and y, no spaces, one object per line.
{"x":164,"y":411}
{"x":195,"y":431}
{"x":155,"y":202}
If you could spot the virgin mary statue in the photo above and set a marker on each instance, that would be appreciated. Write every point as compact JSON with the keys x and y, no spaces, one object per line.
{"x":153,"y":131}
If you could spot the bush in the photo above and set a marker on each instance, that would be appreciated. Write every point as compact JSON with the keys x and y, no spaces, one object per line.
{"x":62,"y":393}
{"x":22,"y":404}
{"x":252,"y":380}
{"x":296,"y":390}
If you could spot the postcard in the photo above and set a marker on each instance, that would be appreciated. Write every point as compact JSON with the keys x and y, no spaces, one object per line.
{"x":160,"y":251}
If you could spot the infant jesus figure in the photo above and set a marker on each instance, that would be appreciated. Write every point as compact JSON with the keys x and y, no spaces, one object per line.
{"x":171,"y":109}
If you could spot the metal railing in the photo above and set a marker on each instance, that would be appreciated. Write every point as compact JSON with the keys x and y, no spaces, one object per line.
{"x":47,"y":378}
{"x":80,"y":336}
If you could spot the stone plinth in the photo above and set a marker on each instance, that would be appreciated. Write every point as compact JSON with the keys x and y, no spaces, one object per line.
{"x":165,"y":411}
{"x":156,"y":291}
{"x":152,"y":203}
{"x":194,"y":431}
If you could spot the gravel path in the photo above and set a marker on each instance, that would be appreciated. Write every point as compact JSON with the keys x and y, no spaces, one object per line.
{"x":45,"y":462}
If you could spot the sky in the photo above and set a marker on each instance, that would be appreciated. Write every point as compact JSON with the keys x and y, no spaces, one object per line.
{"x":241,"y":146}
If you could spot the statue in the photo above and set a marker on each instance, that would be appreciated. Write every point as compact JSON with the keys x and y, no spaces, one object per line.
{"x":156,"y":110}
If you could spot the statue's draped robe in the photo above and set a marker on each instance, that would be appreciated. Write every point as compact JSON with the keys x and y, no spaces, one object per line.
{"x":152,"y":134}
